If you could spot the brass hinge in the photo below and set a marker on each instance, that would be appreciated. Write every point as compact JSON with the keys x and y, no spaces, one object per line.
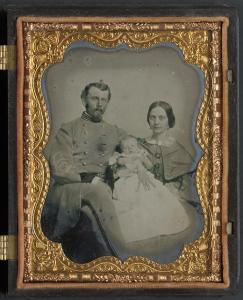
{"x":230,"y":76}
{"x":229,"y":228}
{"x":8,"y":247}
{"x":7,"y":57}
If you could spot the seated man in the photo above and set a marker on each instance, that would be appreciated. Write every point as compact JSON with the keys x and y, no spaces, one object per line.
{"x":79,"y":202}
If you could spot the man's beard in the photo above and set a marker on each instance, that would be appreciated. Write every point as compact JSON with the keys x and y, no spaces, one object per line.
{"x":96,"y":115}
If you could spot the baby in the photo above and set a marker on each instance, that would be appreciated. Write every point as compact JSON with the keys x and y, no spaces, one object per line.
{"x":143,"y":212}
{"x":130,"y":159}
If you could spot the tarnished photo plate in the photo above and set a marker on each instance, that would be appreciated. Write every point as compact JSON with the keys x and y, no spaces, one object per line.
{"x":42,"y":45}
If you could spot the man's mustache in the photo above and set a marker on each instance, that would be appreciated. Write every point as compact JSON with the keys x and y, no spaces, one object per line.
{"x":98,"y":109}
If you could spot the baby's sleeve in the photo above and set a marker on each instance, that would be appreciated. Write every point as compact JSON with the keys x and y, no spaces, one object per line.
{"x":145,"y":157}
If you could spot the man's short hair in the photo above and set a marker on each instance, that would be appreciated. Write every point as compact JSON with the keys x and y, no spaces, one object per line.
{"x":100,"y":85}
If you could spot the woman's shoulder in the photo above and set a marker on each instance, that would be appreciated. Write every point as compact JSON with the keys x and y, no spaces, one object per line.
{"x":173,"y":145}
{"x":168,"y":141}
{"x":168,"y":144}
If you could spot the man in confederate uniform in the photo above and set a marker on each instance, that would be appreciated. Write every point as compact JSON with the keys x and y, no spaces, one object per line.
{"x":79,"y":201}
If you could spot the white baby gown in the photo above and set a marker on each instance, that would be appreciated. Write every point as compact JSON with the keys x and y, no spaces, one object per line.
{"x":144,"y":214}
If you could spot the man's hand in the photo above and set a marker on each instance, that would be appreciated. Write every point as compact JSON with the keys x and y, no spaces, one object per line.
{"x":144,"y":178}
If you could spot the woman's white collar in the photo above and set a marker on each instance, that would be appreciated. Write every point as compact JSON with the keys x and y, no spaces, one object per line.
{"x":167,"y":142}
{"x":153,"y":141}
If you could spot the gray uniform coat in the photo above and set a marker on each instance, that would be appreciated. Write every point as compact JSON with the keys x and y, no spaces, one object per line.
{"x":80,"y":146}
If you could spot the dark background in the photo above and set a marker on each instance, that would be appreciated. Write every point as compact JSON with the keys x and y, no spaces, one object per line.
{"x":7,"y":153}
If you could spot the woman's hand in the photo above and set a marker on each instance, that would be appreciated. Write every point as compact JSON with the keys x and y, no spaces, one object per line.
{"x":144,"y":178}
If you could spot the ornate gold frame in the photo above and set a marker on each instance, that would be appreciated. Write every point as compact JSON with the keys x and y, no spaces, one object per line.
{"x":42,"y":41}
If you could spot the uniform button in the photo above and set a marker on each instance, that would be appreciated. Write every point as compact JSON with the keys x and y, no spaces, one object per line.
{"x":84,"y":163}
{"x":100,"y":165}
{"x":85,"y":152}
{"x":102,"y":154}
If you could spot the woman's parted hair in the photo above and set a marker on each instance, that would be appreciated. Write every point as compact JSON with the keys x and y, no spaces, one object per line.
{"x":167,"y":108}
{"x":100,"y":85}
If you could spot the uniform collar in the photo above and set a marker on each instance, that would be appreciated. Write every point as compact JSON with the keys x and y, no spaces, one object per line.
{"x":87,"y":117}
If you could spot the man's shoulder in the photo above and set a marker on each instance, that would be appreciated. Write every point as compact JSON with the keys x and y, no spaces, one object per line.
{"x":79,"y":120}
{"x":108,"y":125}
{"x":121,"y":132}
{"x":74,"y":125}
{"x":71,"y":124}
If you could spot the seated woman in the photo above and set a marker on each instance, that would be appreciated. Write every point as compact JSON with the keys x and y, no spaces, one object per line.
{"x":174,"y":167}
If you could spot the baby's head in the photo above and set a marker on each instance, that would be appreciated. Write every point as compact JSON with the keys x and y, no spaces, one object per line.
{"x":129,"y":145}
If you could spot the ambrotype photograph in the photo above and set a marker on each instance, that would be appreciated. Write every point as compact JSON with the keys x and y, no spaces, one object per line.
{"x":122,"y":153}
